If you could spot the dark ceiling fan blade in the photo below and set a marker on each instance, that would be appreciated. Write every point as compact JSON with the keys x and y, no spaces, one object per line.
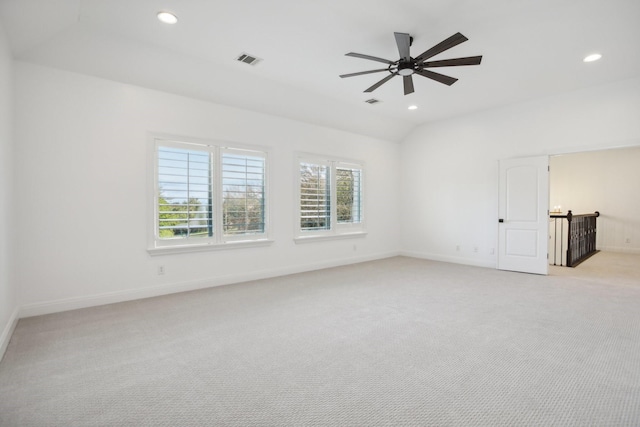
{"x":372,"y":58}
{"x":381,"y":82}
{"x":469,"y":60}
{"x":403,"y":40}
{"x":437,"y":77}
{"x":452,"y":41}
{"x":363,"y":72}
{"x":408,"y":84}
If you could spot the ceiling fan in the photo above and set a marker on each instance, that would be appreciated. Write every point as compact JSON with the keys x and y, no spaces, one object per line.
{"x":406,"y":66}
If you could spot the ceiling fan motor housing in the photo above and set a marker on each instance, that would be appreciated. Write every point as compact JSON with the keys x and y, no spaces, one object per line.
{"x":406,"y":68}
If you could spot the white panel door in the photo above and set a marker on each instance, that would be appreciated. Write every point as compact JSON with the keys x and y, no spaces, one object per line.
{"x":523,"y":210}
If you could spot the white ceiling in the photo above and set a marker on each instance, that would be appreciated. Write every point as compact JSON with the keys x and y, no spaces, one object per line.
{"x":530,"y":48}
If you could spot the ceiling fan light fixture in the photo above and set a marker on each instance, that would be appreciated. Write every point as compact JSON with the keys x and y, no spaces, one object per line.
{"x":406,"y":68}
{"x":167,"y":17}
{"x":591,"y":58}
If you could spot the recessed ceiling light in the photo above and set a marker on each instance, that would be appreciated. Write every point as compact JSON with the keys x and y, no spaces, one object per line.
{"x":592,"y":57}
{"x":167,"y":17}
{"x":413,"y":107}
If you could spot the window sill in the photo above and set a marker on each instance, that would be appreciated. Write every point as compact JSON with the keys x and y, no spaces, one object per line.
{"x":320,"y":238}
{"x":181,"y":249}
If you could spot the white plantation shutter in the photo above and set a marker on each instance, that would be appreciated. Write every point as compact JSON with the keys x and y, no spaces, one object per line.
{"x":315,"y":199}
{"x":348,"y":194}
{"x":184,"y":193}
{"x":243,"y":192}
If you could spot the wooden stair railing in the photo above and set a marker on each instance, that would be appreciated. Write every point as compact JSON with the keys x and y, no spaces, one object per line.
{"x":581,"y":237}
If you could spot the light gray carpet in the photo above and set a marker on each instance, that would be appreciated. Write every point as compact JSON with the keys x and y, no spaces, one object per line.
{"x":397,"y":342}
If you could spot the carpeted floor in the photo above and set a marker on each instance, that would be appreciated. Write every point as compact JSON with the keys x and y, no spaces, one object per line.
{"x":396,"y":342}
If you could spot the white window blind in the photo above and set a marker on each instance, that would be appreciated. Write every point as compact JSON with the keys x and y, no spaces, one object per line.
{"x":348,"y":194}
{"x":315,"y":199}
{"x":243,"y":192}
{"x":184,"y":193}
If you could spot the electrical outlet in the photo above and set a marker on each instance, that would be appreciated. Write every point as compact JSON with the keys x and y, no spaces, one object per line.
{"x":627,"y":240}
{"x":492,"y":251}
{"x":457,"y":248}
{"x":160,"y":270}
{"x":475,"y":249}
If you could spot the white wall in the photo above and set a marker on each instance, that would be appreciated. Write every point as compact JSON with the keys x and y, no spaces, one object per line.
{"x":8,"y":303}
{"x":82,"y":182}
{"x":605,"y":181}
{"x":450,"y":168}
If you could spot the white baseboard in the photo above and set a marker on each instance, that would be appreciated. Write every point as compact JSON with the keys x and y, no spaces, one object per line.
{"x":7,"y":332}
{"x":451,"y":259}
{"x":621,"y":249}
{"x":66,"y":304}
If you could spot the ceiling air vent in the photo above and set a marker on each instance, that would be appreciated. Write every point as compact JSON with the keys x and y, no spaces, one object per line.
{"x":248,"y":59}
{"x":372,"y":101}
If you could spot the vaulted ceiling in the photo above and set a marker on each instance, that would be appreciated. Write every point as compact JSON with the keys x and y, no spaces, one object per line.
{"x":531,"y":49}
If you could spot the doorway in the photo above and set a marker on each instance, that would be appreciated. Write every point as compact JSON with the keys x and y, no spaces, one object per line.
{"x":607,"y":181}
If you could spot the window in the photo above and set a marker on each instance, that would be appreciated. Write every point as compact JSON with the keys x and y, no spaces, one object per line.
{"x":184,"y":193}
{"x":243,"y":188}
{"x":206,"y":194}
{"x":315,"y":197}
{"x":348,"y":185}
{"x":329,"y":197}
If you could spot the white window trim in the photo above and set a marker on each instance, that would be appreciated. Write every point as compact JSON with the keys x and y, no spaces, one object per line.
{"x":335,"y":236}
{"x":233,"y":244}
{"x":219,"y":241}
{"x":337,"y":230}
